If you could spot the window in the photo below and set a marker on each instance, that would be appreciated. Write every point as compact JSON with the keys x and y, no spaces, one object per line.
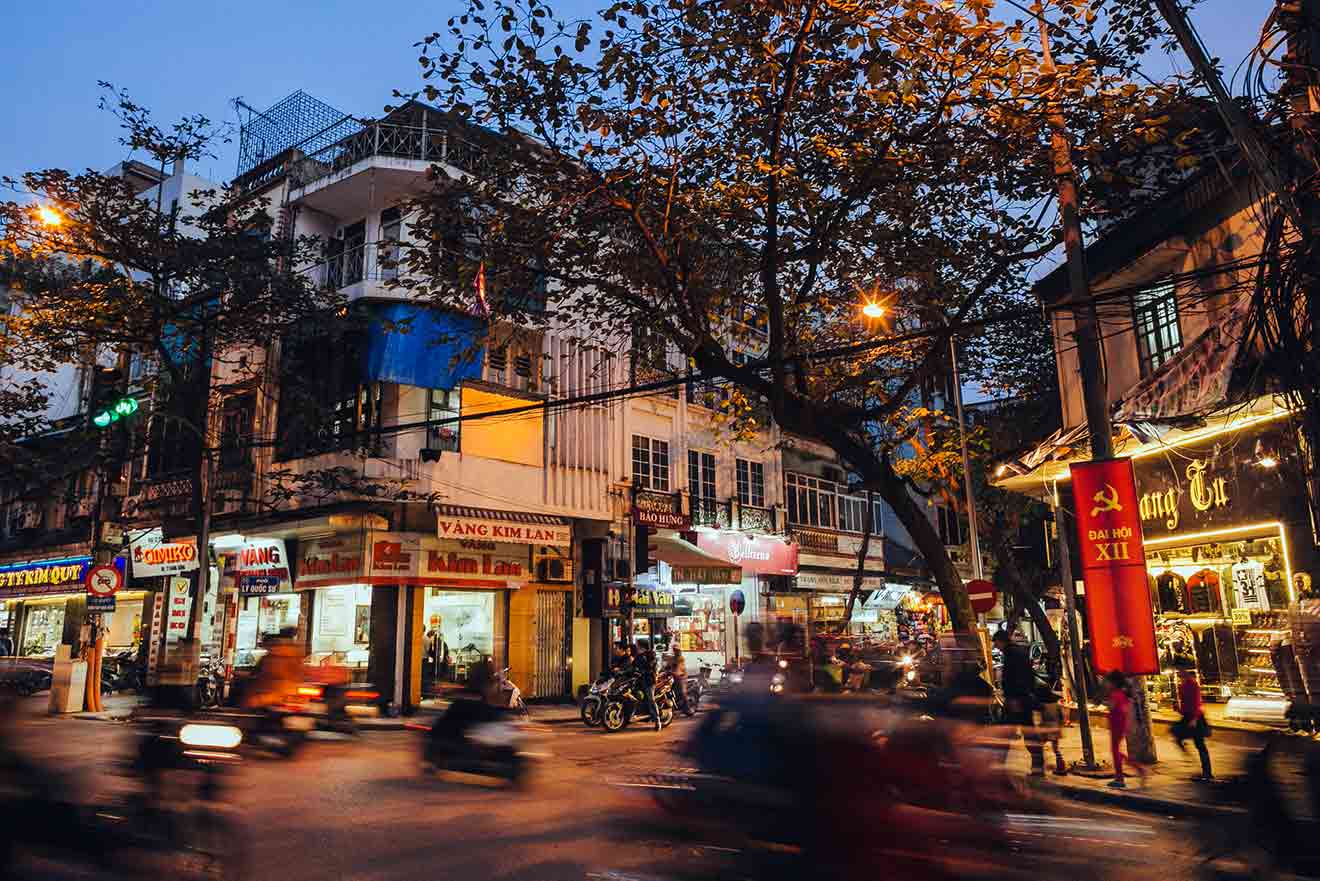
{"x":1155,"y":321}
{"x":443,"y":405}
{"x":650,"y":460}
{"x":236,"y":421}
{"x":391,"y":232}
{"x":852,"y":514}
{"x":701,"y":476}
{"x":497,"y":361}
{"x":810,"y":501}
{"x":751,"y":483}
{"x":949,"y":526}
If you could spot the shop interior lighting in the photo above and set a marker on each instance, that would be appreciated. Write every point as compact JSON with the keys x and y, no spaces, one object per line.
{"x":1274,"y":526}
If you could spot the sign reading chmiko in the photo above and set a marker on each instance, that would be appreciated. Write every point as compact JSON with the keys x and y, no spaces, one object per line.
{"x":1114,"y":567}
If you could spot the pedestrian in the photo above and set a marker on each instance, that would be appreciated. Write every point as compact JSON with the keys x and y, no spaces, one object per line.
{"x":6,"y":644}
{"x":1018,"y":683}
{"x":1050,"y":727}
{"x":1120,"y":719}
{"x":646,"y":671}
{"x":678,"y":669}
{"x":1192,"y":725}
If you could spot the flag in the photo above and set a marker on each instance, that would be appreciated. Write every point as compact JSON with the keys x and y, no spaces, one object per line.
{"x":480,"y":285}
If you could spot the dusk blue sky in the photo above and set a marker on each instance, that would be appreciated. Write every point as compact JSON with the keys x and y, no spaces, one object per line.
{"x":187,"y":57}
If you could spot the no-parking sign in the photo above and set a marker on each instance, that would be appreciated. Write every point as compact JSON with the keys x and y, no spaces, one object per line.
{"x":103,"y":582}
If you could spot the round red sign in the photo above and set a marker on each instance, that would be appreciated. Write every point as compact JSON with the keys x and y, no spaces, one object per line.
{"x":104,"y":581}
{"x":737,"y":602}
{"x":982,"y":595}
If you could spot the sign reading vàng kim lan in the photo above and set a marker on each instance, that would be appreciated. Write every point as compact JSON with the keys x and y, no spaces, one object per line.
{"x":1114,"y":567}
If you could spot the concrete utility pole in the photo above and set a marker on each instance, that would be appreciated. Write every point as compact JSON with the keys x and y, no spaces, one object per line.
{"x":1094,"y":390}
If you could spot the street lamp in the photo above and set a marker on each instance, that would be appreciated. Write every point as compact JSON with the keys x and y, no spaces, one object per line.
{"x":873,"y":309}
{"x":49,"y":216}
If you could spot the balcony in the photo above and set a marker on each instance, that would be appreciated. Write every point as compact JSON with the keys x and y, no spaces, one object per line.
{"x":755,"y":519}
{"x":712,"y":513}
{"x":334,"y":179}
{"x":816,"y":540}
{"x":363,"y":271}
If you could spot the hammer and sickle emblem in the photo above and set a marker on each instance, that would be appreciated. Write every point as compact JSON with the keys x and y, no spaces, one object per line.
{"x":1105,"y":501}
{"x":1124,"y":642}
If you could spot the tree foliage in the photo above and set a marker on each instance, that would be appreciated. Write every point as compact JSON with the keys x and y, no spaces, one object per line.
{"x":671,"y":165}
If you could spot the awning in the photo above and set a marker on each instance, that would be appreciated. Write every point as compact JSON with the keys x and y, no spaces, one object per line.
{"x":692,"y":565}
{"x":424,"y":347}
{"x":492,"y":514}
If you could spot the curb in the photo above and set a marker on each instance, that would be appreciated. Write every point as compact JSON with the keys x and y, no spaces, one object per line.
{"x":1137,"y":801}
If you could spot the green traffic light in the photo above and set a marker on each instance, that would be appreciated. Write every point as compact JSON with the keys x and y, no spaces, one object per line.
{"x":126,"y":406}
{"x":120,"y":409}
{"x":102,"y":419}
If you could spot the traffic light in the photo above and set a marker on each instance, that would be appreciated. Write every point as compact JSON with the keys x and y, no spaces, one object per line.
{"x":108,"y":403}
{"x":120,"y":408}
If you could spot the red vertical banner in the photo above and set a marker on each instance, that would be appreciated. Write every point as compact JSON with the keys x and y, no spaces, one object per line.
{"x":1114,"y":567}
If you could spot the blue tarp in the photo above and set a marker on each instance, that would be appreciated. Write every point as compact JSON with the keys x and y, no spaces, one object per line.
{"x":429,"y":348}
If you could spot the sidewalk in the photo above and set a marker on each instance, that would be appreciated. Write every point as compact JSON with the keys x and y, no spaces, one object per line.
{"x":1171,"y":789}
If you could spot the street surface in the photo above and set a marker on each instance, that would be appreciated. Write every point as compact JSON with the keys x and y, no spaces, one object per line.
{"x":363,"y":810}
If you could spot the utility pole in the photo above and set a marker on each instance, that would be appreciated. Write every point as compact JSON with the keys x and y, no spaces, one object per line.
{"x":1094,"y":391}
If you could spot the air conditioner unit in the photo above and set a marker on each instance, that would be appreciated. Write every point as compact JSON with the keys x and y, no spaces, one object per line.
{"x":25,"y":517}
{"x":81,"y":508}
{"x":617,"y":570}
{"x":554,"y":569}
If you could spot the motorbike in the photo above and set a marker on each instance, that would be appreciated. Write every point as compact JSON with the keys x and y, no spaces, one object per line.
{"x":474,"y":737}
{"x":511,"y":695}
{"x":123,"y":672}
{"x":626,"y":700}
{"x":595,"y":698}
{"x":210,"y":684}
{"x":335,"y":707}
{"x":132,"y":832}
{"x":695,"y":688}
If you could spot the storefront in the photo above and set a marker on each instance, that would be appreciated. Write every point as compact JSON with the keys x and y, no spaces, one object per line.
{"x":1221,"y":519}
{"x":35,"y":598}
{"x":257,"y":597}
{"x":763,"y":560}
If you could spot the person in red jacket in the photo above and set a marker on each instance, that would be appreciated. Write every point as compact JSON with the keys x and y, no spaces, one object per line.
{"x":1120,"y":717}
{"x":1192,"y":726}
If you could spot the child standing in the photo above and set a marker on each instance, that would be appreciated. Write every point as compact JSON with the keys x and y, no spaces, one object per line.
{"x":1120,"y":718}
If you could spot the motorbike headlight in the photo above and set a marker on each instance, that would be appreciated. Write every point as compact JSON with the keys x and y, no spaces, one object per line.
{"x":783,"y":665}
{"x":778,"y":679}
{"x":213,"y":736}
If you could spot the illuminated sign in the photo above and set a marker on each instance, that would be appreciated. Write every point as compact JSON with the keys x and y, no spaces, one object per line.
{"x":152,"y":555}
{"x":482,"y":529}
{"x":43,"y":576}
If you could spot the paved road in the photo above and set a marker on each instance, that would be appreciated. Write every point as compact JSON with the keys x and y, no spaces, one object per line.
{"x":362,"y":810}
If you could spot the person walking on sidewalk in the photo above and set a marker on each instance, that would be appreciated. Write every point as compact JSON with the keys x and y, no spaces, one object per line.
{"x":1120,"y":718}
{"x":1192,"y":726}
{"x":1051,"y":725}
{"x":1018,"y":682}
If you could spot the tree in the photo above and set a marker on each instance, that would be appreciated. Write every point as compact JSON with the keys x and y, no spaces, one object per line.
{"x":671,"y":165}
{"x":195,"y":291}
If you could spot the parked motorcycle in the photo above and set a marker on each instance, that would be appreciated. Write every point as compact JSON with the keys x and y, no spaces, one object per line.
{"x":694,"y":689}
{"x":510,"y":694}
{"x":122,"y":672}
{"x":626,"y":699}
{"x":474,"y":737}
{"x":210,"y":684}
{"x":594,"y":699}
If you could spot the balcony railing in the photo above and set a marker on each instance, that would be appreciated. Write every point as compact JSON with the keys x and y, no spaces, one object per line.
{"x":754,"y":519}
{"x":816,"y":539}
{"x":709,"y":512}
{"x":387,"y":139}
{"x":365,"y":262}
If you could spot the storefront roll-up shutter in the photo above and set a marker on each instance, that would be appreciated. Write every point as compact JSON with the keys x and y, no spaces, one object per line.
{"x":551,"y":643}
{"x":418,"y":346}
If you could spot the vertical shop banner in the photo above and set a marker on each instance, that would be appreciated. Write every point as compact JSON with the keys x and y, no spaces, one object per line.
{"x":153,"y":649}
{"x":180,"y":603}
{"x":1114,"y":567}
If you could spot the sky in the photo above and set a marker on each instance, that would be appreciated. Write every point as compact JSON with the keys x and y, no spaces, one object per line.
{"x":186,"y":57}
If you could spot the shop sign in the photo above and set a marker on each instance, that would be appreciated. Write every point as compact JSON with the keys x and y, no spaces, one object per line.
{"x":506,"y":531}
{"x":1113,"y":562}
{"x":333,"y":560}
{"x":648,"y":602}
{"x":836,"y":582}
{"x":477,"y":560}
{"x":705,"y":575}
{"x":660,"y":510}
{"x":756,"y":554}
{"x":43,"y":576}
{"x":103,"y":582}
{"x":180,"y":603}
{"x":258,"y":585}
{"x":153,"y":556}
{"x":1222,"y":481}
{"x":153,"y":650}
{"x":262,"y":558}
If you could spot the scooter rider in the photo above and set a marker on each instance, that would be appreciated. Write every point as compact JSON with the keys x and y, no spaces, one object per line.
{"x":645,"y":665}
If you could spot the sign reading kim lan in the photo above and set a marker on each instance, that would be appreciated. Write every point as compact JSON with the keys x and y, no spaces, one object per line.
{"x":1114,"y":567}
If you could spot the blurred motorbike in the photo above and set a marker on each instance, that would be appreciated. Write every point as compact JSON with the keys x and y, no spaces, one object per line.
{"x":185,"y":825}
{"x":474,"y":737}
{"x":694,"y":689}
{"x":510,"y":695}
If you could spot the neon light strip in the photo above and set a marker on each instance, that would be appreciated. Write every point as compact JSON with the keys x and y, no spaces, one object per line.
{"x":35,"y":564}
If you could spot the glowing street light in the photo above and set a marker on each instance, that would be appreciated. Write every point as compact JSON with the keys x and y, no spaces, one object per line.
{"x":49,"y":216}
{"x":873,"y":309}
